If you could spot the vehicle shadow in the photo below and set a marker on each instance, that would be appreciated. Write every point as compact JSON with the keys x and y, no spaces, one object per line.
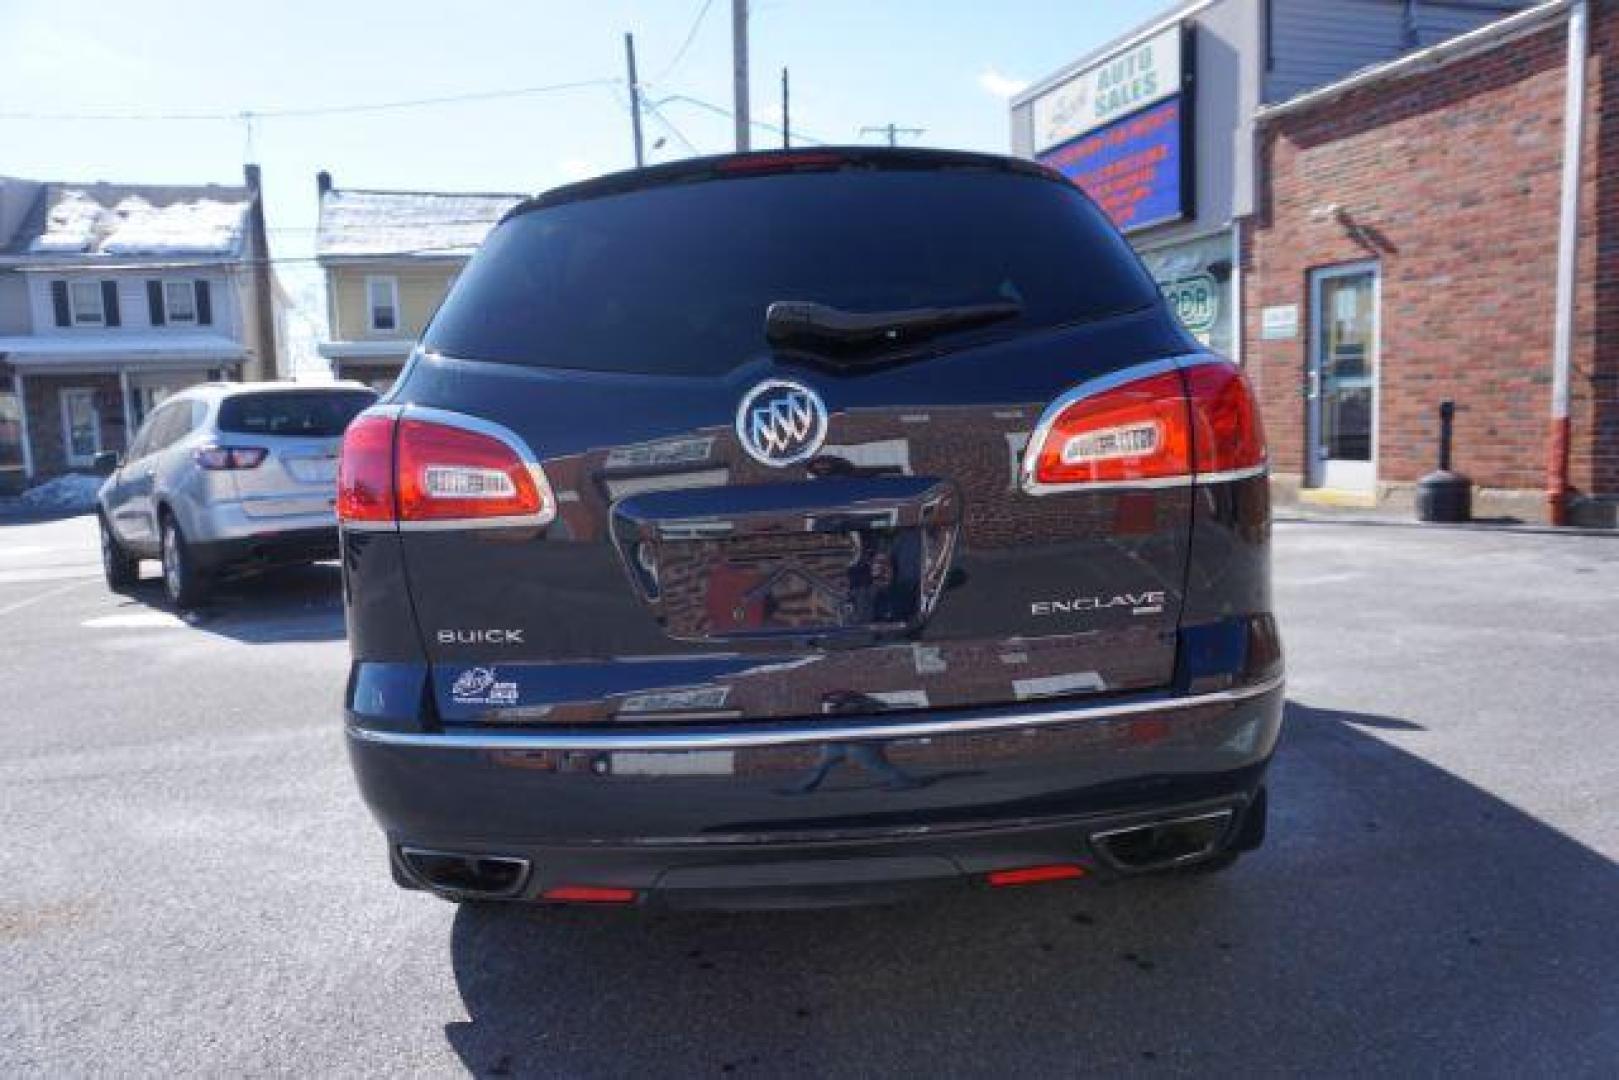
{"x":1400,"y":919}
{"x":296,"y":603}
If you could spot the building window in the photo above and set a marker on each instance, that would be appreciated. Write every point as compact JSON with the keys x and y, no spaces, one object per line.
{"x":147,"y":398}
{"x":85,"y":298}
{"x":81,"y":425}
{"x":180,"y":301}
{"x":382,"y":299}
{"x":12,"y":460}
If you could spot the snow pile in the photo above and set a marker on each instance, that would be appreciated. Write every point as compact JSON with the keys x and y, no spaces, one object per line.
{"x":70,"y":493}
{"x":206,"y":225}
{"x":70,"y":225}
{"x":78,"y":222}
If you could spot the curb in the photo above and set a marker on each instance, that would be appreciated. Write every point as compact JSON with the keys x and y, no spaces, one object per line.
{"x":1294,"y":518}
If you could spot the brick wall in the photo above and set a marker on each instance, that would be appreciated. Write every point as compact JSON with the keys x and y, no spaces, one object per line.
{"x":1450,"y":180}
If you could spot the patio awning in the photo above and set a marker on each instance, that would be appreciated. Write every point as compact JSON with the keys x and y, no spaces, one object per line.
{"x":120,"y":351}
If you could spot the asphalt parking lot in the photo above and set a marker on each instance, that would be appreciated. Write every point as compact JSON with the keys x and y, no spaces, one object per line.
{"x":189,"y":883}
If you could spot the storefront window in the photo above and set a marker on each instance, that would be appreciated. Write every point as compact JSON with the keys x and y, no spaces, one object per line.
{"x":1196,"y":280}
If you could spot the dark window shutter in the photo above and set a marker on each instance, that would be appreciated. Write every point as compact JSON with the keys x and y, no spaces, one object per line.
{"x":205,"y":305}
{"x":154,"y":301}
{"x":109,"y":301}
{"x":64,"y":316}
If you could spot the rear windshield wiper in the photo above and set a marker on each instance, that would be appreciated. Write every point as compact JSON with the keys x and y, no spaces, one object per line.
{"x":806,"y":324}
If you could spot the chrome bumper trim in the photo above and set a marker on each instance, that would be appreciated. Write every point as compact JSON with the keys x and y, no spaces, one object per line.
{"x":751,"y":737}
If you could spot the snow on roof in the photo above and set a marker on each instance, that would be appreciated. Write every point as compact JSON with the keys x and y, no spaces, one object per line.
{"x":410,"y":223}
{"x":105,"y":219}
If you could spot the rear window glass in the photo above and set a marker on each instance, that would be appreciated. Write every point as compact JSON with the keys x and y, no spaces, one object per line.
{"x":315,"y":414}
{"x":677,"y":279}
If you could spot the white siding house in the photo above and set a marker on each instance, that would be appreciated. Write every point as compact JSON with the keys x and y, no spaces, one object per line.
{"x":113,"y":296}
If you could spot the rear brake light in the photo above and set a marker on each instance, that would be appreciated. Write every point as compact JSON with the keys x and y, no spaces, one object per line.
{"x":430,"y":471}
{"x":229,"y":458}
{"x":365,"y":480}
{"x":1034,"y":875}
{"x":589,"y":894}
{"x":1160,"y":426}
{"x":1130,"y":432}
{"x":784,"y":161}
{"x":1226,"y":429}
{"x":447,"y":473}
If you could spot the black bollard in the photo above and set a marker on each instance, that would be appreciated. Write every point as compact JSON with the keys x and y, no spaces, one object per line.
{"x":1445,"y":496}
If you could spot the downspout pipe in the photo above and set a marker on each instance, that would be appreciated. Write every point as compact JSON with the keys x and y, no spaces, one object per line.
{"x":1568,"y":250}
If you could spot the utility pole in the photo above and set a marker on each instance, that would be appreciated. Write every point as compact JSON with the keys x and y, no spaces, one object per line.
{"x":739,"y":69}
{"x":786,"y":114}
{"x":635,"y":98}
{"x":892,"y":131}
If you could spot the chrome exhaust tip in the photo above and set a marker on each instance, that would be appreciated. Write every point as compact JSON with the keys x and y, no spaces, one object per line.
{"x":473,"y":875}
{"x":1160,"y":845}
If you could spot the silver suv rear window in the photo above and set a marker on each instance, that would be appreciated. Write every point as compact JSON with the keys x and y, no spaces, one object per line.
{"x":314,"y":414}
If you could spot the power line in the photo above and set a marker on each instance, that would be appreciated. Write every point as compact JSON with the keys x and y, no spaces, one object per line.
{"x":691,"y":35}
{"x":658,"y":115}
{"x":893,"y":131}
{"x":719,"y":110}
{"x":249,"y":115}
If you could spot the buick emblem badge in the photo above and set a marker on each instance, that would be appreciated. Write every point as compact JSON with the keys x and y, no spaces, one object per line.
{"x":781,"y":422}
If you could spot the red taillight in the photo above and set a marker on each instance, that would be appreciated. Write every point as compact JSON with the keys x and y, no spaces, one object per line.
{"x":1124,"y":433}
{"x":365,"y":471}
{"x":1156,"y":429}
{"x":229,"y":458}
{"x":1227,"y":432}
{"x":417,"y":471}
{"x":1034,"y":875}
{"x":589,"y":894}
{"x":449,"y":473}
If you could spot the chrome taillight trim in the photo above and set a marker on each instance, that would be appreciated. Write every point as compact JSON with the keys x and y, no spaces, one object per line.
{"x":743,"y":738}
{"x":1101,"y":385}
{"x":1228,"y":475}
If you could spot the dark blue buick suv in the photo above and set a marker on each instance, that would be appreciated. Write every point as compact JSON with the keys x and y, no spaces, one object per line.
{"x":808,"y":528}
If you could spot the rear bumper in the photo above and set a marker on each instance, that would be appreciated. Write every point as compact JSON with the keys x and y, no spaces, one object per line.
{"x":269,"y":548}
{"x":225,"y":521}
{"x":819,"y":813}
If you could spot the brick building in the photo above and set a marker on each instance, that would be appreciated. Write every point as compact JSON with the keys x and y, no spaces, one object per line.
{"x":1404,"y":249}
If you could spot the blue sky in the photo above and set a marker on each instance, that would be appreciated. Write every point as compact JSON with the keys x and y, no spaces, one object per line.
{"x":944,"y":66}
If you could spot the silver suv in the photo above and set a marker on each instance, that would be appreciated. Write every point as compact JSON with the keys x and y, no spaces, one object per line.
{"x":226,"y":476}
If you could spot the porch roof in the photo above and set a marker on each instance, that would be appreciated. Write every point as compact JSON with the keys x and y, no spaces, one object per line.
{"x":121,"y":350}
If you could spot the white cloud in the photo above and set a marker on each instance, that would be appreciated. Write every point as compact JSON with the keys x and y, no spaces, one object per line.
{"x":1002,"y":86}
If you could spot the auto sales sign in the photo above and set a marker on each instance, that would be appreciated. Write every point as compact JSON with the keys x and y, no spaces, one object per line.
{"x":1120,"y":129}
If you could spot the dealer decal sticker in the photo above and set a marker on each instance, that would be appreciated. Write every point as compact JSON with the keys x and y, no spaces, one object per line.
{"x":481,"y":686}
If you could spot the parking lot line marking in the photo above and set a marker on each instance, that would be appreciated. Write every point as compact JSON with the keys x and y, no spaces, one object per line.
{"x":48,"y":573}
{"x":137,"y":620}
{"x":20,"y":550}
{"x":37,"y":597}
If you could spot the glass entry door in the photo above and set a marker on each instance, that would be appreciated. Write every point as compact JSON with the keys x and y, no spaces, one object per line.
{"x":1342,"y":378}
{"x":81,"y":425}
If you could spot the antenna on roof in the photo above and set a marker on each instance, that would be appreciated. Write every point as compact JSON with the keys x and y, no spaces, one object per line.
{"x":248,"y":148}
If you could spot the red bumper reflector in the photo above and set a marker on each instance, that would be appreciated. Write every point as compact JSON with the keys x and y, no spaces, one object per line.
{"x":589,"y":894}
{"x":1034,"y":875}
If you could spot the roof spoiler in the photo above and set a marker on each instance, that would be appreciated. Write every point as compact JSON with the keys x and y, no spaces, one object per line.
{"x":763,"y":162}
